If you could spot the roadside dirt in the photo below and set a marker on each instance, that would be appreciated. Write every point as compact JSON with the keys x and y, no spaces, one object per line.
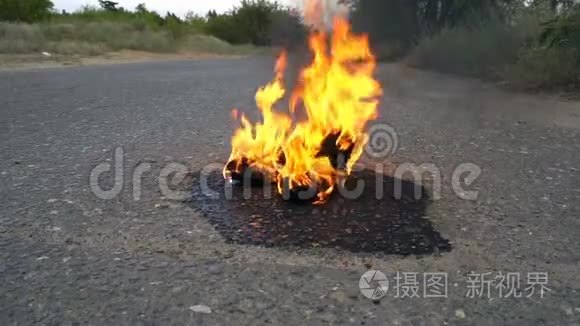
{"x":39,"y":61}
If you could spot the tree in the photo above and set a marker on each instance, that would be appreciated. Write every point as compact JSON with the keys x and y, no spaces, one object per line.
{"x":175,"y":25}
{"x":393,"y":20}
{"x":25,"y":10}
{"x":260,"y":22}
{"x":287,"y":29}
{"x":212,"y":14}
{"x":254,"y":17}
{"x":197,"y":22}
{"x":248,"y":23}
{"x":404,"y":21}
{"x":109,"y":5}
{"x":141,"y":9}
{"x":563,"y":31}
{"x":555,"y":4}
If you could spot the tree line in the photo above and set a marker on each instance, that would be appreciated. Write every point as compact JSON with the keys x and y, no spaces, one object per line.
{"x":258,"y":22}
{"x":406,"y":21}
{"x":525,"y":43}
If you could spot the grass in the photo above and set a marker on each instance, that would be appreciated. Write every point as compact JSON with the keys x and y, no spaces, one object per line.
{"x":477,"y":51}
{"x":509,"y":53}
{"x":544,"y":68}
{"x":210,"y":44}
{"x":89,"y":38}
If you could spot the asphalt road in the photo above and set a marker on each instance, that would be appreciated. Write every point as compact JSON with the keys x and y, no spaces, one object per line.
{"x":68,"y":257}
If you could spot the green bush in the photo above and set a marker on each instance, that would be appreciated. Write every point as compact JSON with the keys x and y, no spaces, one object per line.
{"x":400,"y":23}
{"x":93,"y":37}
{"x":477,"y":51}
{"x":524,"y":52}
{"x":387,"y":21}
{"x":21,"y":38}
{"x":61,"y":38}
{"x":226,"y":28}
{"x":254,"y":19}
{"x":287,"y":30}
{"x":141,"y":18}
{"x":258,"y":22}
{"x":197,"y":23}
{"x":94,"y":30}
{"x":544,"y":68}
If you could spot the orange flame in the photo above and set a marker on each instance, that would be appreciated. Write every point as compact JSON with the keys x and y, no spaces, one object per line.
{"x":338,"y":95}
{"x":260,"y":143}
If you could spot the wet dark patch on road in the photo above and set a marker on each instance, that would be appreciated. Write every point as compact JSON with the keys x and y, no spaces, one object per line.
{"x":393,"y":224}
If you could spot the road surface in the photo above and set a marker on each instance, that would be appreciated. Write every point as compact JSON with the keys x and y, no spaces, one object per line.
{"x":69,"y":257}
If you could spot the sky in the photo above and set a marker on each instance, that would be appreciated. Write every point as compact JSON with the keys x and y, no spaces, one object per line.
{"x":179,"y":7}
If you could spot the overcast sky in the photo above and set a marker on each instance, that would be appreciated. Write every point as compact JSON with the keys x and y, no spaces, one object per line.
{"x":180,"y":7}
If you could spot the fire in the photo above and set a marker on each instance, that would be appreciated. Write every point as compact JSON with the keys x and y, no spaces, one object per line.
{"x":258,"y":146}
{"x":336,"y":94}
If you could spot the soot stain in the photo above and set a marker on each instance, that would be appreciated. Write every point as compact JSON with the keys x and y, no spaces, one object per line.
{"x":394,"y":224}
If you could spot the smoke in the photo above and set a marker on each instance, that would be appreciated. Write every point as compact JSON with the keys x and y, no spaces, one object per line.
{"x":319,"y":13}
